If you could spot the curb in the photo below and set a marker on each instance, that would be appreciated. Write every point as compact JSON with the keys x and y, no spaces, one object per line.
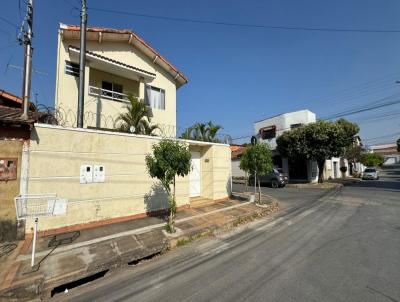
{"x":38,"y":287}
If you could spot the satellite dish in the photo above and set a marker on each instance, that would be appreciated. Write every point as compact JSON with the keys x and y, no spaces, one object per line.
{"x":132,"y":129}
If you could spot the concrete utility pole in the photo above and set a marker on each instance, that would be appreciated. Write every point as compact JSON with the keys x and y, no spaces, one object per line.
{"x":82,"y":63}
{"x":26,"y":89}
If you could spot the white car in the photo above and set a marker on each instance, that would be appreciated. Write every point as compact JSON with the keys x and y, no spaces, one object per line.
{"x":370,"y":173}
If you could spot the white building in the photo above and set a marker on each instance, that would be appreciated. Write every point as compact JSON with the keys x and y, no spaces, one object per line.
{"x":267,"y":130}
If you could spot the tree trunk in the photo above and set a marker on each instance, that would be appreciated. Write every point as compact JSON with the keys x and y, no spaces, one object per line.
{"x":172,"y":210}
{"x":259,"y":191}
{"x":321,"y":165}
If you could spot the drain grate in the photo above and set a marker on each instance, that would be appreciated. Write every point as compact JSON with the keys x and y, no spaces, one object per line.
{"x":7,"y":248}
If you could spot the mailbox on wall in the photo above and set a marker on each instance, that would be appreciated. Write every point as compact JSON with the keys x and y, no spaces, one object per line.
{"x":99,"y":173}
{"x":86,"y":175}
{"x":8,"y":169}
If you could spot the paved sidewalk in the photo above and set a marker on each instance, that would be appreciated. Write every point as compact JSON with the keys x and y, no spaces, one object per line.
{"x":66,"y":258}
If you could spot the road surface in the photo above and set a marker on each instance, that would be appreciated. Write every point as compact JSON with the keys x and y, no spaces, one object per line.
{"x":343,"y":245}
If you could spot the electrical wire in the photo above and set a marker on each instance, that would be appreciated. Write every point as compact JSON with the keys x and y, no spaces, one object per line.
{"x":9,"y":22}
{"x":243,"y":25}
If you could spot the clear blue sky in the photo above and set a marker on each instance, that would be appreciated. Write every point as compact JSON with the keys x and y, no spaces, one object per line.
{"x":239,"y":75}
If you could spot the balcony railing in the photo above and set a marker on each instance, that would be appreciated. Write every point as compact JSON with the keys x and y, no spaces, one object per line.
{"x":108,"y":94}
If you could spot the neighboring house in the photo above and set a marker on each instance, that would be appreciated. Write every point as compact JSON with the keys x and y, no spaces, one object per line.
{"x":100,"y":176}
{"x":267,"y":130}
{"x":389,"y":153}
{"x":15,"y":133}
{"x":236,"y":153}
{"x":118,"y":63}
{"x":9,"y":100}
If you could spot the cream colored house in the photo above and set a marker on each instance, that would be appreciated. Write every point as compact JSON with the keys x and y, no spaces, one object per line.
{"x":118,"y":63}
{"x":99,"y":176}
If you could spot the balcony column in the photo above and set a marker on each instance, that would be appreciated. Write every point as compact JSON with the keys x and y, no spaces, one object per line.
{"x":141,"y":88}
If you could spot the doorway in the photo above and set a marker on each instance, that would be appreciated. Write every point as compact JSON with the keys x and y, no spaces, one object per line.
{"x":195,"y":175}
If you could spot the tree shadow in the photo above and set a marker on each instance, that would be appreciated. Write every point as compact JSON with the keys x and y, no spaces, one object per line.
{"x":156,"y":202}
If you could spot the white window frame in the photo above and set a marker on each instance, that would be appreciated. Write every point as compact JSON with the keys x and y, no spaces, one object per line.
{"x":156,"y":89}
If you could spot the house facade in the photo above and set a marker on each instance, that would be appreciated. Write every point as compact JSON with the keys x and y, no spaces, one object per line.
{"x":118,"y":63}
{"x":389,"y":152}
{"x":95,"y":175}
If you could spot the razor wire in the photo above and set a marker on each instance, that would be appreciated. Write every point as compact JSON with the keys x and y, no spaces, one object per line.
{"x":67,"y":118}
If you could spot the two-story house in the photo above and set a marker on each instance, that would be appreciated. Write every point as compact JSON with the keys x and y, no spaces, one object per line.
{"x":118,"y":63}
{"x":100,"y":176}
{"x":267,"y":130}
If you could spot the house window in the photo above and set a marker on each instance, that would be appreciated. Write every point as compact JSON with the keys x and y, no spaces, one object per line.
{"x":111,"y":90}
{"x":72,"y":68}
{"x":154,"y":97}
{"x":268,"y":132}
{"x":293,"y":126}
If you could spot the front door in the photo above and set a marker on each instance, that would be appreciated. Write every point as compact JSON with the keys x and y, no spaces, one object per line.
{"x":194,"y":176}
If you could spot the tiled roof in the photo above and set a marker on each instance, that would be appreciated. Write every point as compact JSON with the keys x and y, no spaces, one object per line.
{"x":237,"y":151}
{"x":13,"y":100}
{"x":10,"y":115}
{"x":114,"y":61}
{"x":151,"y":52}
{"x":10,"y":96}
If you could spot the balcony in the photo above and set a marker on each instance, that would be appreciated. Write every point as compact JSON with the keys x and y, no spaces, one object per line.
{"x":108,"y":94}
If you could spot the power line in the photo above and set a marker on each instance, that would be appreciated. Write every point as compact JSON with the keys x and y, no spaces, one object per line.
{"x":368,"y":107}
{"x":383,"y":136}
{"x":9,"y":22}
{"x":244,"y":25}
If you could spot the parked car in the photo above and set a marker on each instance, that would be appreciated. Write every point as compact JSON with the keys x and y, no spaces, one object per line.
{"x":276,"y":178}
{"x":370,"y":173}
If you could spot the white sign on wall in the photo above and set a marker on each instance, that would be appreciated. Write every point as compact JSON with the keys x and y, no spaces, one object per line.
{"x":57,"y":206}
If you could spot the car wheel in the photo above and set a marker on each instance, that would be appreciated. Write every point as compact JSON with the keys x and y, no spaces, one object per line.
{"x":274,"y":184}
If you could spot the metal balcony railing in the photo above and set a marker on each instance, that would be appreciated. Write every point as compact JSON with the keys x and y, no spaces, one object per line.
{"x":108,"y":94}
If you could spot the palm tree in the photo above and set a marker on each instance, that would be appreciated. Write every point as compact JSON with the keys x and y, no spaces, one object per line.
{"x":188,"y":133}
{"x":200,"y":132}
{"x":137,"y":118}
{"x":212,"y":130}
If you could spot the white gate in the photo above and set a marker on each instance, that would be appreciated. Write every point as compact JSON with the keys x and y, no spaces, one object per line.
{"x":195,"y":175}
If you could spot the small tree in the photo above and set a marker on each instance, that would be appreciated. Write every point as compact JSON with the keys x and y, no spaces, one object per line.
{"x":372,"y":159}
{"x":169,"y":160}
{"x":257,"y":160}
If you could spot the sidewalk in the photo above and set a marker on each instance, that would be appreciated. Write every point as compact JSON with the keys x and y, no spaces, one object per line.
{"x":69,"y":257}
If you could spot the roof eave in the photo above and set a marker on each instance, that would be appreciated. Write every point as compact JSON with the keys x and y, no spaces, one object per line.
{"x":129,"y":36}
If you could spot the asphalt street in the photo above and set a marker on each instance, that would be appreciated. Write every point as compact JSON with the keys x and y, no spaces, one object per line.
{"x":337,"y":245}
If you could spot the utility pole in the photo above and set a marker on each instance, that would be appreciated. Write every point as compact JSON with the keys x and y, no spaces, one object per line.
{"x":26,"y":89}
{"x":82,"y":63}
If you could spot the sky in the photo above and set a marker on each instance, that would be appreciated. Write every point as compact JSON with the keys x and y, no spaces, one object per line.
{"x":238,"y":75}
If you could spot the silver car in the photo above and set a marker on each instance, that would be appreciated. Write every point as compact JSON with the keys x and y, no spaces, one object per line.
{"x":370,"y":173}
